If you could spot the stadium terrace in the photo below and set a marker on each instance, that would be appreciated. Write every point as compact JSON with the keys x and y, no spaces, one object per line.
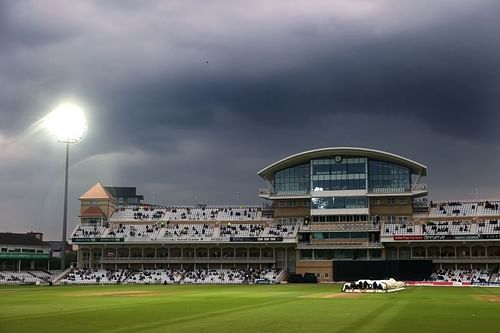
{"x":331,"y":214}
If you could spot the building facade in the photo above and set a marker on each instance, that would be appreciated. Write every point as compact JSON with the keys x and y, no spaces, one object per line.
{"x":23,"y":251}
{"x":324,"y":206}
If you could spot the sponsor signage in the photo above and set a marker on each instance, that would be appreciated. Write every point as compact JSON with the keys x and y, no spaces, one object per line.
{"x":97,"y":240}
{"x":439,"y":237}
{"x":409,"y":237}
{"x":443,"y":237}
{"x":467,"y":237}
{"x":438,"y":283}
{"x":496,"y":236}
{"x":24,"y":255}
{"x":256,"y":239}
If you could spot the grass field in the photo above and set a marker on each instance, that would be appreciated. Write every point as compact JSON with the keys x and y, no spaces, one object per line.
{"x":279,"y":308}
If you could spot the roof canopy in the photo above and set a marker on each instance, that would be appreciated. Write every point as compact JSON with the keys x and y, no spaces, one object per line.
{"x":7,"y":238}
{"x":97,"y":192}
{"x":304,"y":157}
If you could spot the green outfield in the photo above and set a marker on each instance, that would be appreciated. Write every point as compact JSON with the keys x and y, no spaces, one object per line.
{"x":279,"y":308}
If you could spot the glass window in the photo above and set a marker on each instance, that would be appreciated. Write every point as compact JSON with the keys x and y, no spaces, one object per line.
{"x":321,"y":169}
{"x":403,"y":219}
{"x":388,"y":177}
{"x":339,"y":235}
{"x":323,"y":254}
{"x":359,"y":235}
{"x":306,"y":254}
{"x":318,"y":235}
{"x":337,"y":169}
{"x":294,"y":180}
{"x":356,"y":168}
{"x":343,"y":254}
{"x":338,"y":202}
{"x":341,"y":174}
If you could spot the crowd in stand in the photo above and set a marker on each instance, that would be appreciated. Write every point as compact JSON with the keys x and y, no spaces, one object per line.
{"x":186,"y":213}
{"x":489,"y":227}
{"x":281,"y":230}
{"x":86,"y":276}
{"x":88,"y":231}
{"x":443,"y":228}
{"x":242,"y":229}
{"x":194,"y":231}
{"x":167,"y":276}
{"x":465,"y":208}
{"x":184,"y":231}
{"x":143,"y":216}
{"x":446,"y":227}
{"x":489,"y":205}
{"x":396,"y":229}
{"x":461,"y":275}
{"x":230,"y":276}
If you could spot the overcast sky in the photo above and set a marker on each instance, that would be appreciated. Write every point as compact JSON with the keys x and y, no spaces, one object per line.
{"x":189,"y":99}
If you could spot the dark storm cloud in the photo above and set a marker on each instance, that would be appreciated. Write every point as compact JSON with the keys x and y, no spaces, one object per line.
{"x":445,"y":75}
{"x":189,"y":100}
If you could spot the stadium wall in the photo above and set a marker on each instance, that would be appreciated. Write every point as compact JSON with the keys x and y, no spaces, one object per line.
{"x":415,"y":270}
{"x":322,"y":269}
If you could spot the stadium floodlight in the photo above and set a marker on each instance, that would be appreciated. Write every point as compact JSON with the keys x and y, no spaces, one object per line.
{"x":68,"y":124}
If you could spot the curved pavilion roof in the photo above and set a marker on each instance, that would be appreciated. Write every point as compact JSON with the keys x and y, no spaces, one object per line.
{"x":305,"y":156}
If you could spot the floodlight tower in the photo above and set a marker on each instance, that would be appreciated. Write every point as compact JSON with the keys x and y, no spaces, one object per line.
{"x":68,"y":124}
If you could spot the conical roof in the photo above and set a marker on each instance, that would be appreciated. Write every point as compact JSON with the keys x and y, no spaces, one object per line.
{"x":97,"y":192}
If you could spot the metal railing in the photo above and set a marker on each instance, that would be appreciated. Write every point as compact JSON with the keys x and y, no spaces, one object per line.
{"x":187,"y":260}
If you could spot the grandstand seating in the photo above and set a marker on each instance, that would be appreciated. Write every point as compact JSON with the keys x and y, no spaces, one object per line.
{"x":152,"y":276}
{"x":88,"y":231}
{"x":188,"y":232}
{"x":238,"y":214}
{"x":241,"y":230}
{"x":464,"y":208}
{"x":118,"y":276}
{"x":214,"y":276}
{"x":166,"y":276}
{"x":198,"y":214}
{"x":447,"y":227}
{"x":164,"y":214}
{"x":461,"y":275}
{"x":489,"y":227}
{"x":401,"y":229}
{"x":280,"y":231}
{"x":43,"y":275}
{"x":87,"y":276}
{"x":25,"y":277}
{"x":439,"y":228}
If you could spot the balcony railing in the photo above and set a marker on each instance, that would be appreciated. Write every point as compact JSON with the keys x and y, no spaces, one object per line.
{"x":419,"y":187}
{"x":249,"y":260}
{"x":268,"y":192}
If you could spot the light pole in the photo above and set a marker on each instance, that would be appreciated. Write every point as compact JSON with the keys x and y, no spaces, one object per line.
{"x":68,"y":124}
